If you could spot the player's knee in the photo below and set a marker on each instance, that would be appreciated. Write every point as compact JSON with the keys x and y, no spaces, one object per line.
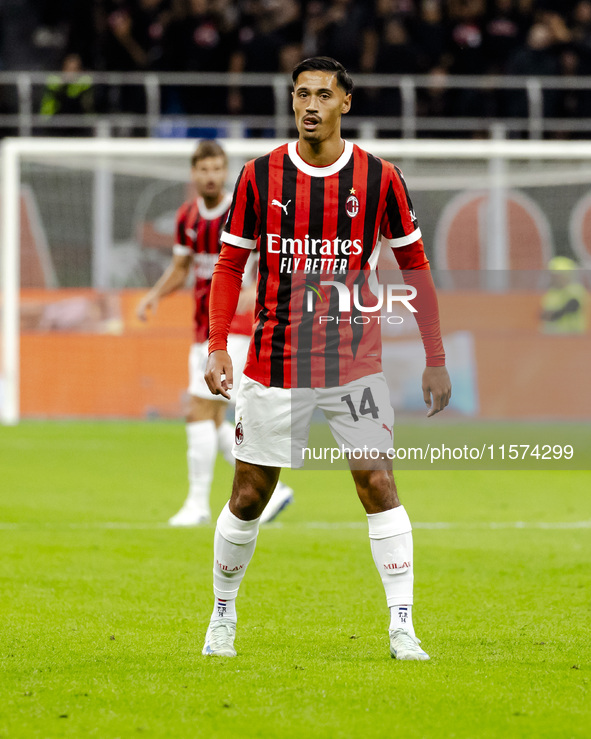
{"x":375,"y":482}
{"x":199,"y":409}
{"x":249,"y":497}
{"x":248,"y":501}
{"x":252,"y":488}
{"x":376,"y":489}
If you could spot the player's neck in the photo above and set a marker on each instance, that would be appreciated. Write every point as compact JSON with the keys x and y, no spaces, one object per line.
{"x":321,"y":154}
{"x":212,"y":202}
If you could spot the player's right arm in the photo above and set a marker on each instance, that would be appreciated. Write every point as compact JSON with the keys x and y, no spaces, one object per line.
{"x":238,"y":240}
{"x":173,"y":278}
{"x":176,"y":274}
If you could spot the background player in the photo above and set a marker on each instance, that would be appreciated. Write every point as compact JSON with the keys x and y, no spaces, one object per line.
{"x":198,"y":225}
{"x":319,"y":195}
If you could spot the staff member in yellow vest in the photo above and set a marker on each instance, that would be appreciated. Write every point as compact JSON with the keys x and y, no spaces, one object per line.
{"x":69,"y":93}
{"x":564,"y":305}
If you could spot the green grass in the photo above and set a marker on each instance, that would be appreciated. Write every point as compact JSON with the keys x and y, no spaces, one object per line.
{"x":103,"y":610}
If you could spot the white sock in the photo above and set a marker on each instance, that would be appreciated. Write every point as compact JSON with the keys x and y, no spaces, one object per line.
{"x":390,"y":534}
{"x":226,"y":433}
{"x":201,"y":454}
{"x":401,"y":618}
{"x":224,"y":608}
{"x":233,"y":546}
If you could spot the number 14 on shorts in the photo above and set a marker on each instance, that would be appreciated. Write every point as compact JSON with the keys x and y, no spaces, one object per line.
{"x":366,"y":406}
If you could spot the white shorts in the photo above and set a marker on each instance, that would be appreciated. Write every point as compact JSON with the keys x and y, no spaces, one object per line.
{"x":272,"y":424}
{"x":237,"y":349}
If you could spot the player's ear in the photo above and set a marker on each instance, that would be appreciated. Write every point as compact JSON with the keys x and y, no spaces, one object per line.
{"x":292,"y":100}
{"x":346,"y":104}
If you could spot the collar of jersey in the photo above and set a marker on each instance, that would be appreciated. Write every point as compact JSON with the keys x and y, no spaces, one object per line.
{"x":319,"y":171}
{"x":210,"y":213}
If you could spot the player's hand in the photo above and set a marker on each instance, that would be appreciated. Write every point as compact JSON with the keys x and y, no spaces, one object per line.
{"x":219,"y":373}
{"x":436,"y":389}
{"x":146,"y":304}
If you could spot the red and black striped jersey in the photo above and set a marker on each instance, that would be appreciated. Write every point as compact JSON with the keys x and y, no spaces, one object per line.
{"x":197,"y":233}
{"x":313,"y":224}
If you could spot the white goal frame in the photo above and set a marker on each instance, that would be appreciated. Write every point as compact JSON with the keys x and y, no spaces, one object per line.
{"x":13,"y":150}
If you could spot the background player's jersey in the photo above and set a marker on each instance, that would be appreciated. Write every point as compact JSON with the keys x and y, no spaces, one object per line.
{"x":197,"y":233}
{"x":314,"y":224}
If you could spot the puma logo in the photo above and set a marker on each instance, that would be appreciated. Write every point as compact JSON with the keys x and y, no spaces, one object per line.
{"x":283,"y":207}
{"x":388,"y":429}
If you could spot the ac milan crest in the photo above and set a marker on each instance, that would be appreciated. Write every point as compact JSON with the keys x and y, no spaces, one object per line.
{"x":239,"y":436}
{"x":352,"y":206}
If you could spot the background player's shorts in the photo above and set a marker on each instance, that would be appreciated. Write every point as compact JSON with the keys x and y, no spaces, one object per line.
{"x":272,"y":424}
{"x":237,"y":349}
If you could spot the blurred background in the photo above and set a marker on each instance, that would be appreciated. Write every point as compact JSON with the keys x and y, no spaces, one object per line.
{"x":95,"y":226}
{"x":422,"y":67}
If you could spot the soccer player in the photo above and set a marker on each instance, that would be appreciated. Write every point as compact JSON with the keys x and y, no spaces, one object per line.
{"x":198,"y":225}
{"x":320,"y":204}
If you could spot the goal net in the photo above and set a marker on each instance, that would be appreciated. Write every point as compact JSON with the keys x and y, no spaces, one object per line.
{"x":88,"y":225}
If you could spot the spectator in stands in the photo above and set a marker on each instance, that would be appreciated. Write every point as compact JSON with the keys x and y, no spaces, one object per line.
{"x":396,"y":54}
{"x":504,"y":31}
{"x":536,"y":58}
{"x":344,"y":32}
{"x":269,"y":41}
{"x":466,"y":54}
{"x":201,"y":38}
{"x":313,"y":24}
{"x":435,"y":100}
{"x":465,"y":43}
{"x":131,"y":41}
{"x":132,"y":36}
{"x":580,"y":33}
{"x":70,"y":93}
{"x":428,"y":31}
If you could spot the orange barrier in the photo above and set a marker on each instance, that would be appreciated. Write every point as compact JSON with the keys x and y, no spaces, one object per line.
{"x":140,"y":369}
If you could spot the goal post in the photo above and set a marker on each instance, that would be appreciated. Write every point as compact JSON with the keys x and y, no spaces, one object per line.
{"x":83,"y":200}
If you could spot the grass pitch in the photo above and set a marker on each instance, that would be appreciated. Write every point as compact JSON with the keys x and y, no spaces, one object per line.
{"x":104,"y":608}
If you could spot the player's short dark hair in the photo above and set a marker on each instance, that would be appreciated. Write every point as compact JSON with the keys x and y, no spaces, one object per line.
{"x":324,"y":64}
{"x":207,"y":148}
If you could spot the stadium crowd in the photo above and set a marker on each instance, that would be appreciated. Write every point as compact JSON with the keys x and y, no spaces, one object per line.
{"x":433,"y":37}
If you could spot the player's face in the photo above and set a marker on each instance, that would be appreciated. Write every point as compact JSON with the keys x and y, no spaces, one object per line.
{"x":209,"y":176}
{"x":318,"y":104}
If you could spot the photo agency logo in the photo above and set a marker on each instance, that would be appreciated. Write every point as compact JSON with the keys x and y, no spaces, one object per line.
{"x":383,"y":297}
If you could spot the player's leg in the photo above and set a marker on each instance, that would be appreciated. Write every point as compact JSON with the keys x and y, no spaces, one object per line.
{"x":282,"y":495}
{"x":262,"y":446}
{"x":234,"y":544}
{"x":390,"y":534}
{"x":201,"y":454}
{"x":360,"y":415}
{"x":201,"y":418}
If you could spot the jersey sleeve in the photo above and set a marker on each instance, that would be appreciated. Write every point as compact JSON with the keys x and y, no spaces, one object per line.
{"x":399,"y":226}
{"x":181,"y":247}
{"x":225,"y":291}
{"x":400,"y":230}
{"x":244,"y":219}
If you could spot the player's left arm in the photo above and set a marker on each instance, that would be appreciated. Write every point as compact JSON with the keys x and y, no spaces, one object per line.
{"x":436,"y":382}
{"x":401,"y":230}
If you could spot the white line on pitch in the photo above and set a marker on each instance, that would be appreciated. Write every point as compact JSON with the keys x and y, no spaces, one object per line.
{"x":326,"y":525}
